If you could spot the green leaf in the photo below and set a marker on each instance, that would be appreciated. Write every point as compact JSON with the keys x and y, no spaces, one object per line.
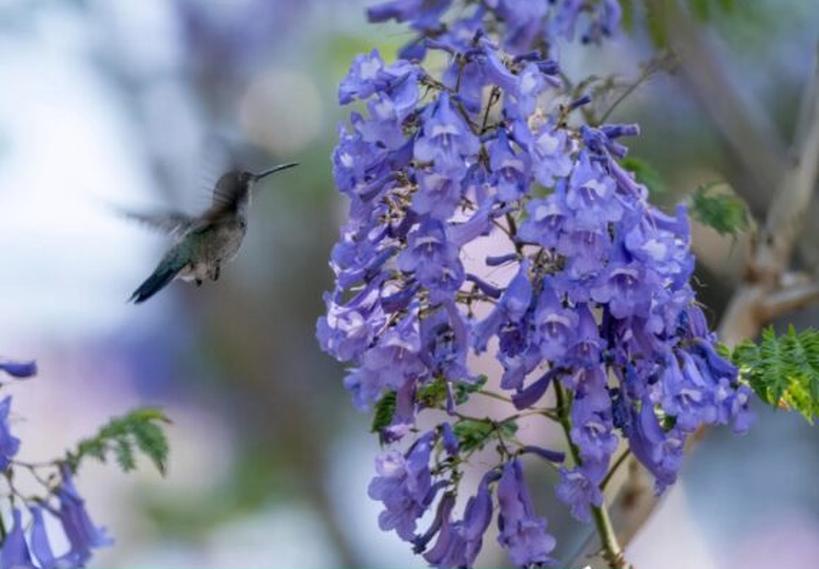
{"x":474,"y":434}
{"x":140,"y":429}
{"x":645,"y":174}
{"x":627,"y":7}
{"x":701,"y":9}
{"x":433,"y":394}
{"x":725,"y":213}
{"x":783,"y":370}
{"x":464,"y":390}
{"x":657,"y":21}
{"x":384,"y":412}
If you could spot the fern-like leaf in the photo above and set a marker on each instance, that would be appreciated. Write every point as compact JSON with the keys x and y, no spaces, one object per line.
{"x":783,"y":370}
{"x":140,"y":429}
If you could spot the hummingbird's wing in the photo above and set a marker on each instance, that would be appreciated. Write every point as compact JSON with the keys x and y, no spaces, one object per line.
{"x":175,"y":224}
{"x":228,"y":190}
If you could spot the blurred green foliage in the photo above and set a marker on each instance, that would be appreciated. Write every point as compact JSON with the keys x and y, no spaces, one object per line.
{"x":724,"y":212}
{"x":783,"y":370}
{"x":645,"y":174}
{"x":141,"y":429}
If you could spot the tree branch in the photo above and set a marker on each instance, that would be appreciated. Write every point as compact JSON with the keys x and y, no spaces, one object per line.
{"x":751,"y":138}
{"x":788,"y":300}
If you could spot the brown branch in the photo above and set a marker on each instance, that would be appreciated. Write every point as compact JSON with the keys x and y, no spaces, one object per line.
{"x":787,"y":300}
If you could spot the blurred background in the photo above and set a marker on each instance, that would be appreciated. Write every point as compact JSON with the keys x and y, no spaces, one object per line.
{"x":143,"y":105}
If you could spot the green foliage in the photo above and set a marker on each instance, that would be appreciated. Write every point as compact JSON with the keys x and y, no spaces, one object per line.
{"x":384,"y":412}
{"x":783,"y":370}
{"x":140,"y":430}
{"x":657,"y":23}
{"x":657,"y":17}
{"x":645,"y":174}
{"x":725,"y":213}
{"x":705,"y":10}
{"x":474,"y":434}
{"x":432,"y":395}
{"x":464,"y":390}
{"x":627,"y":6}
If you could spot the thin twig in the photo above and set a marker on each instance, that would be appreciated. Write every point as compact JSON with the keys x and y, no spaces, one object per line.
{"x":649,"y":69}
{"x":614,"y":467}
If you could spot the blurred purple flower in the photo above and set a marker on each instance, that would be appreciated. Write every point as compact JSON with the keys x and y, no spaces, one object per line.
{"x":9,"y":444}
{"x":19,"y":370}
{"x":522,"y":533}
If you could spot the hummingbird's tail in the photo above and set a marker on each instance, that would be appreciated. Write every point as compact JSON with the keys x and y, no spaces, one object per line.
{"x":161,"y":277}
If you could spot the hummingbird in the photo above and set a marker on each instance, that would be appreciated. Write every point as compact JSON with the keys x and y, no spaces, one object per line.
{"x":203,"y":243}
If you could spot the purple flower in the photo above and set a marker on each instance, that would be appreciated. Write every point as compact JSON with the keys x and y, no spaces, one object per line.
{"x":383,"y":125}
{"x":356,"y":163}
{"x":14,"y":553}
{"x":604,"y":21}
{"x":422,"y":14}
{"x":404,"y":484}
{"x":432,"y":258}
{"x":519,"y":353}
{"x":510,"y":308}
{"x":555,"y":324}
{"x":592,"y":427}
{"x":40,"y":544}
{"x":368,"y":75}
{"x":510,"y":168}
{"x":579,"y":489}
{"x":19,"y":370}
{"x":446,"y":140}
{"x":444,"y":343}
{"x":551,"y":153}
{"x":348,"y":330}
{"x":449,"y":440}
{"x":687,"y":393}
{"x":364,"y":78}
{"x":591,"y":194}
{"x":438,"y":195}
{"x":525,"y":21}
{"x":9,"y":444}
{"x":626,"y":289}
{"x":545,"y":221}
{"x":82,"y":534}
{"x":460,"y":542}
{"x":587,"y":347}
{"x":522,"y":533}
{"x":600,"y":300}
{"x":659,"y":451}
{"x":389,"y":364}
{"x":521,"y":101}
{"x":586,"y":246}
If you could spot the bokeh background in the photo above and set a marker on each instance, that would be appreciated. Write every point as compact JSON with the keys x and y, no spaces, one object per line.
{"x":142,"y":105}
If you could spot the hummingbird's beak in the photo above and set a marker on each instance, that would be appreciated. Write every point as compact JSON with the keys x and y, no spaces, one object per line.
{"x":275,"y":169}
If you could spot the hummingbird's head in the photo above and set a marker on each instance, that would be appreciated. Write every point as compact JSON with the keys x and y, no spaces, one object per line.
{"x":234,"y":186}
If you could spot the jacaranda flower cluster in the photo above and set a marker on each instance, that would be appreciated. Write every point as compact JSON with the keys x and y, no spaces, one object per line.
{"x":598,"y":307}
{"x":61,"y":501}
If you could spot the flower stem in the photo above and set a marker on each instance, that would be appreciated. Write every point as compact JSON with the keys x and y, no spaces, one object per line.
{"x":611,"y":552}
